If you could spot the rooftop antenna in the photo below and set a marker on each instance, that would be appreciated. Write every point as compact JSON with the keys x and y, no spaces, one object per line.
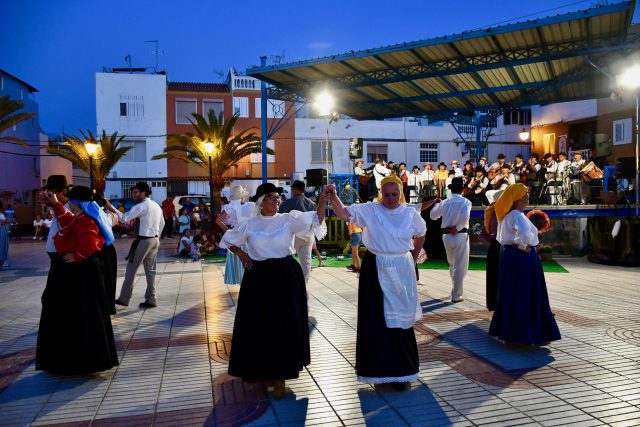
{"x":156,"y":51}
{"x":219,"y":73}
{"x":128,"y":59}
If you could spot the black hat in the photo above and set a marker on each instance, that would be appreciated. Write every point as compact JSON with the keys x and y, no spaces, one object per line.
{"x":265,"y":188}
{"x":298,"y":185}
{"x":56,"y":182}
{"x":502,"y":156}
{"x":143,"y":187}
{"x":80,"y":193}
{"x":519,"y":156}
{"x":101,"y":201}
{"x":457,"y":184}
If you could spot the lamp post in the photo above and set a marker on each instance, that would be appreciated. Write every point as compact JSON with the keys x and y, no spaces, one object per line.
{"x":630,"y":79}
{"x":324,"y":106}
{"x":91,"y":150}
{"x":209,"y":147}
{"x":524,"y":135}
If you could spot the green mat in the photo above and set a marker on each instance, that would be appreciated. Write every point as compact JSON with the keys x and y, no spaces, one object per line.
{"x":475,"y":263}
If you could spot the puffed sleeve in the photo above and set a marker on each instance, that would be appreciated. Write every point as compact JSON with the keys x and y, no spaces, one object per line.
{"x":305,"y":223}
{"x":359,"y":213}
{"x":237,"y":236}
{"x":526,"y":233}
{"x":419,"y":226}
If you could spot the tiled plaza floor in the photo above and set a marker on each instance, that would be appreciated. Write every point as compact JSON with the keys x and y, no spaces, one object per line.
{"x":173,"y":359}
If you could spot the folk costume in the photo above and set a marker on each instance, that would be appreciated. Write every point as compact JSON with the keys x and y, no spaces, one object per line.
{"x":271,"y":331}
{"x":236,"y":211}
{"x":489,"y":232}
{"x":523,"y":314}
{"x":75,"y":334}
{"x":388,"y":306}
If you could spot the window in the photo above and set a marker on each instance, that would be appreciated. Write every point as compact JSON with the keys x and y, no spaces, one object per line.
{"x":131,"y":106}
{"x":549,"y":143}
{"x":126,"y":186}
{"x":376,"y":151}
{"x":138,"y":153}
{"x":158,"y":184}
{"x":517,"y":117}
{"x":241,"y":106}
{"x":184,"y":110}
{"x":1,"y":82}
{"x":271,"y":158}
{"x":622,"y":132}
{"x":215,"y":105}
{"x":275,"y":108}
{"x":321,"y":152}
{"x":428,"y":152}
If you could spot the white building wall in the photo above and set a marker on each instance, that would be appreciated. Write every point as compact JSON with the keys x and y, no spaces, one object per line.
{"x":563,"y":112}
{"x":150,"y":126}
{"x":403,"y":139}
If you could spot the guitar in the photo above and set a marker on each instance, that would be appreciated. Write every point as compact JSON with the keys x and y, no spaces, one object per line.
{"x":364,"y":179}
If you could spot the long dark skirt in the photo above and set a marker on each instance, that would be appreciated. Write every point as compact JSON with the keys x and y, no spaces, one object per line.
{"x":271,"y":330}
{"x":523,"y":314}
{"x":382,"y":354}
{"x":110,"y":263}
{"x":493,"y":266}
{"x":75,"y":334}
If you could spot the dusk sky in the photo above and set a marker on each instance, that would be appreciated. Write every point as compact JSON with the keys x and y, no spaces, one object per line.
{"x":57,"y":46}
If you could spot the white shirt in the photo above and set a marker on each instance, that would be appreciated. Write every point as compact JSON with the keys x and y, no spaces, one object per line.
{"x":268,"y":237}
{"x":47,"y":222}
{"x":53,"y":230}
{"x":358,"y":170}
{"x":151,"y":218}
{"x":185,"y":242}
{"x":237,"y":211}
{"x":480,"y":186}
{"x":414,"y":180}
{"x":427,"y":175}
{"x":455,"y":212}
{"x":510,"y":179}
{"x":516,"y":229}
{"x":37,"y":223}
{"x":379,"y":172}
{"x":458,"y":172}
{"x":387,"y":231}
{"x":563,"y":165}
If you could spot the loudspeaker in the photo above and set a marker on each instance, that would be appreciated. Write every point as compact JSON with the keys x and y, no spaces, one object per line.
{"x":355,"y":148}
{"x":626,"y":168}
{"x":316,"y":177}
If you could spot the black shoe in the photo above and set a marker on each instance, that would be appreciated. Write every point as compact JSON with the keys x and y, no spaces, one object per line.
{"x":147,"y":304}
{"x":400,"y":386}
{"x":118,"y":302}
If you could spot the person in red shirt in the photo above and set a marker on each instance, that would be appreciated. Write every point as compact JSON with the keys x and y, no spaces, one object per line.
{"x":75,"y":335}
{"x":169,"y":213}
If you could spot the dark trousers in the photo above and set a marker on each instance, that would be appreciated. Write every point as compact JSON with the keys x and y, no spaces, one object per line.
{"x":168,"y":227}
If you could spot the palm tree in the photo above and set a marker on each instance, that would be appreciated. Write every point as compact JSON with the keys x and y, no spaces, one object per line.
{"x":109,"y":152}
{"x":229,"y":147}
{"x":9,"y":118}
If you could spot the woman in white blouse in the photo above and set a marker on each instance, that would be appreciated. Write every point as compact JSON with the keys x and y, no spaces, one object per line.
{"x":270,"y":341}
{"x":388,"y":306}
{"x":522,"y":314}
{"x":414,"y":184}
{"x":236,"y":210}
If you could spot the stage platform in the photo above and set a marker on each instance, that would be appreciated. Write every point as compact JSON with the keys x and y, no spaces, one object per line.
{"x":572,"y":211}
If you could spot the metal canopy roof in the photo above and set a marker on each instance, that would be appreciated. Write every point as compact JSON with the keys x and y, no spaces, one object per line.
{"x":554,"y":59}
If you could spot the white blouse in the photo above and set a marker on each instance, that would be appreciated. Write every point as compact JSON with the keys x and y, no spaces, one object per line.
{"x":269,"y":237}
{"x":516,"y":229}
{"x":236,"y":211}
{"x":387,"y":231}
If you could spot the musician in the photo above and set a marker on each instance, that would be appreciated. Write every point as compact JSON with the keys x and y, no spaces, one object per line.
{"x":501,"y":181}
{"x":579,"y":190}
{"x":552,"y":177}
{"x":501,"y":161}
{"x":520,"y":170}
{"x":426,"y":178}
{"x":468,"y":172}
{"x":391,"y":165}
{"x":563,"y":164}
{"x":477,"y":187}
{"x":403,"y":174}
{"x":456,"y":169}
{"x":379,"y":172}
{"x":414,"y":184}
{"x":483,"y":164}
{"x":363,"y":179}
{"x":440,"y":178}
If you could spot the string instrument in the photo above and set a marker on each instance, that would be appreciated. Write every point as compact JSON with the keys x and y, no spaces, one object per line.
{"x":492,"y":173}
{"x":522,"y":171}
{"x":365,"y":177}
{"x":474,"y":183}
{"x":499,"y":183}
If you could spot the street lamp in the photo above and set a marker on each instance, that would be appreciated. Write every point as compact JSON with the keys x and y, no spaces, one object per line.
{"x":91,"y":150}
{"x":323,"y":104}
{"x":209,"y":148}
{"x":524,"y":135}
{"x":630,"y":79}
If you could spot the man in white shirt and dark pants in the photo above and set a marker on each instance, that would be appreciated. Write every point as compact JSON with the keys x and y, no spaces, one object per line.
{"x":455,"y":212}
{"x":144,"y":250}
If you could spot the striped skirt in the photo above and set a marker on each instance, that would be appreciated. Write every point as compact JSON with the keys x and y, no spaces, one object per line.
{"x":233,"y":269}
{"x":4,"y":241}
